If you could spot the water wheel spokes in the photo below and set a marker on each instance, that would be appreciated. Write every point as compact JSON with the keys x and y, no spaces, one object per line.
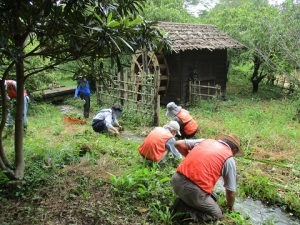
{"x":144,"y":63}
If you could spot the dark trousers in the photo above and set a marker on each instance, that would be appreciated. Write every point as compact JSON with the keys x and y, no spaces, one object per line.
{"x":205,"y":206}
{"x":99,"y":125}
{"x":86,"y":106}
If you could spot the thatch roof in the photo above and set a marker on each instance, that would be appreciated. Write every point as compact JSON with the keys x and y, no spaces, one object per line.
{"x":196,"y":36}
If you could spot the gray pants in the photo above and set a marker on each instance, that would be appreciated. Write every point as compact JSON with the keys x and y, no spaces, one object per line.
{"x":195,"y":197}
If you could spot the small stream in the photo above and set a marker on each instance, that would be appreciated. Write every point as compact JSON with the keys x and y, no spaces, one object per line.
{"x":258,"y":213}
{"x":255,"y":210}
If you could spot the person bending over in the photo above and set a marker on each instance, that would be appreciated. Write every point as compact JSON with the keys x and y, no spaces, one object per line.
{"x":160,"y":142}
{"x":188,"y":126}
{"x":106,"y":120}
{"x":206,"y":160}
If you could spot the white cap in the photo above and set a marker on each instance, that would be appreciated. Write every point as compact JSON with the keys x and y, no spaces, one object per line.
{"x":173,"y":125}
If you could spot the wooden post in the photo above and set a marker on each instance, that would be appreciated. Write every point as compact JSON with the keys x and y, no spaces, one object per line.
{"x":121,"y":86}
{"x":156,"y":96}
{"x":125,"y":80}
{"x":190,"y":92}
{"x":199,"y":90}
{"x":98,"y":91}
{"x":218,"y":91}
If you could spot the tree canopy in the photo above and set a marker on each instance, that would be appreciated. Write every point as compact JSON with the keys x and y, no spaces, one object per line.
{"x":266,"y":31}
{"x":167,"y":10}
{"x":64,"y":31}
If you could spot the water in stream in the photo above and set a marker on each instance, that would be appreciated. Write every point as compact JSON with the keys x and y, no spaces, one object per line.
{"x":258,"y":213}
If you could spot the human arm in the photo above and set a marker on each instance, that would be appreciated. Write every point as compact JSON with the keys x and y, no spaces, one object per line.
{"x":88,"y":91}
{"x":175,"y":118}
{"x":76,"y":92}
{"x":114,"y":130}
{"x":184,"y":146}
{"x":229,"y":177}
{"x":110,"y":122}
{"x":230,"y":198}
{"x":171,"y":148}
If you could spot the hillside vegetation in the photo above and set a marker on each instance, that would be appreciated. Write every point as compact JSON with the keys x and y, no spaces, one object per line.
{"x":75,"y":176}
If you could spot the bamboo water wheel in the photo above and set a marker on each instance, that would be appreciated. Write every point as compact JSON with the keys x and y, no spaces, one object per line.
{"x":149,"y":63}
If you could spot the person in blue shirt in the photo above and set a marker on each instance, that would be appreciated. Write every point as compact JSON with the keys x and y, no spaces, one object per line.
{"x":84,"y":92}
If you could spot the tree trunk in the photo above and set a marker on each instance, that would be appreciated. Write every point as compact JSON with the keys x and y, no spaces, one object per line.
{"x":19,"y":120}
{"x":256,"y":76}
{"x":255,"y":86}
{"x":5,"y":165}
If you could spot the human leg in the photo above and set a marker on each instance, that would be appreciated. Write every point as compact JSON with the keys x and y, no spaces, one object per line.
{"x":86,"y":106}
{"x":193,"y":196}
{"x":99,"y":126}
{"x":25,"y":111}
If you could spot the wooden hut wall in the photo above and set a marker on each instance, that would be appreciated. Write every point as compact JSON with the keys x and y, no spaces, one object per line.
{"x":175,"y":89}
{"x":201,"y":65}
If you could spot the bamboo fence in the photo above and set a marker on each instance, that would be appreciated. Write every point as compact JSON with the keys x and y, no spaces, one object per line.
{"x":198,"y":92}
{"x":134,"y":92}
{"x":139,"y":93}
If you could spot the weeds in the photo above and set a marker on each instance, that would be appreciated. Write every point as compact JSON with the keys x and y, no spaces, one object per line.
{"x":75,"y":165}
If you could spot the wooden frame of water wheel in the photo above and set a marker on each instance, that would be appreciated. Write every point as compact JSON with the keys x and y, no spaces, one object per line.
{"x":144,"y":62}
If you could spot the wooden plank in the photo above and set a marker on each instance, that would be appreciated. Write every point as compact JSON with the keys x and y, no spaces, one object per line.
{"x":54,"y":94}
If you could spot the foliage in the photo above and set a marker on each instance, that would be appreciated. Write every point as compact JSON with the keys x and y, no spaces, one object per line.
{"x":38,"y":36}
{"x":136,"y":189}
{"x":264,"y":31}
{"x":169,"y":11}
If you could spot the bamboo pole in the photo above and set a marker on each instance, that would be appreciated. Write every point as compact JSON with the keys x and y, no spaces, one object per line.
{"x":156,"y":98}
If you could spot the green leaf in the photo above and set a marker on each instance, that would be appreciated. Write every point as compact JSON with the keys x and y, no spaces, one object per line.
{"x":109,"y":17}
{"x":98,"y":18}
{"x":113,"y":24}
{"x":136,"y":22}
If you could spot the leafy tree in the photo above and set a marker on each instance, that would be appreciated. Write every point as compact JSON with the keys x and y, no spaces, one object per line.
{"x":269,"y":32}
{"x":192,"y":2}
{"x":167,"y":10}
{"x":289,"y":38}
{"x":61,"y":32}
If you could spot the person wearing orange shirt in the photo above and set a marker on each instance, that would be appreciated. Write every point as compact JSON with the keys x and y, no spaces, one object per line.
{"x":160,"y":142}
{"x":206,"y":160}
{"x":11,"y":87}
{"x":188,"y":126}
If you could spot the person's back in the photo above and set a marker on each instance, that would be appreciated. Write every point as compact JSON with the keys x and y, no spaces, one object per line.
{"x":160,"y":142}
{"x":188,"y":126}
{"x":154,"y":145}
{"x":205,"y":161}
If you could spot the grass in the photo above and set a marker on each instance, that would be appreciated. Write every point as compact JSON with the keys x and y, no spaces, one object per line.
{"x":75,"y":176}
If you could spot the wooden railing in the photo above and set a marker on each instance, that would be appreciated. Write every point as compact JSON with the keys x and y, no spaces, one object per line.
{"x":198,"y":91}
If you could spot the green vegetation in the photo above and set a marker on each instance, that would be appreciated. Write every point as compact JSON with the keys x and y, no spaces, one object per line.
{"x":73,"y":174}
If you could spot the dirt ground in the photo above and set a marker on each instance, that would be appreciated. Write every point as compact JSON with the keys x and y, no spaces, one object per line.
{"x":66,"y":202}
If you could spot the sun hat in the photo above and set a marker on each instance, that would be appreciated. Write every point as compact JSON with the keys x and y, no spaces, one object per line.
{"x":117,"y":110}
{"x":172,"y":109}
{"x":173,"y":125}
{"x":232,"y":138}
